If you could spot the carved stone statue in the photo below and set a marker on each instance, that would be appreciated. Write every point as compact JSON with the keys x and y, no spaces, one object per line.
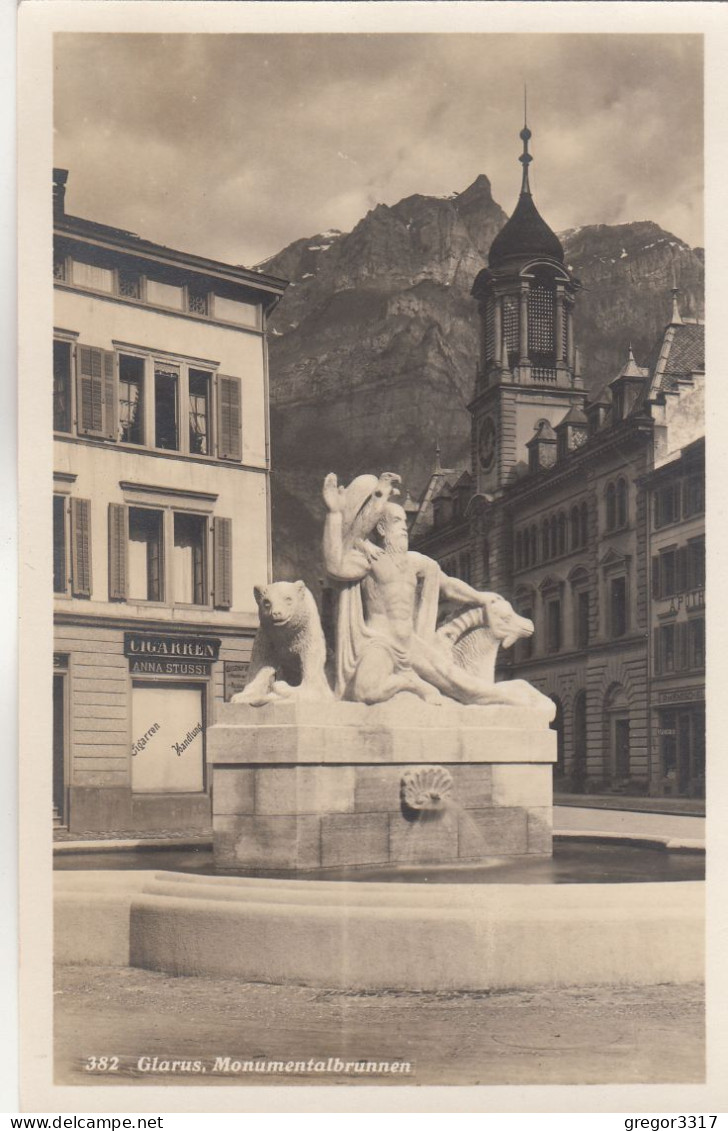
{"x":289,"y":652}
{"x":387,"y":638}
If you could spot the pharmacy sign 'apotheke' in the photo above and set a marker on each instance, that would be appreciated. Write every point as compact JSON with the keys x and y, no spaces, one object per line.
{"x":154,"y":654}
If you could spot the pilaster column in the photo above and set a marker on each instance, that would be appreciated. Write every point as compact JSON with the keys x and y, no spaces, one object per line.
{"x":570,"y":336}
{"x":523,"y":326}
{"x":497,"y":329}
{"x":559,"y":325}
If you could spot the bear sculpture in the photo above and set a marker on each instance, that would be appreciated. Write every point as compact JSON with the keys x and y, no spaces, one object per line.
{"x":289,"y":652}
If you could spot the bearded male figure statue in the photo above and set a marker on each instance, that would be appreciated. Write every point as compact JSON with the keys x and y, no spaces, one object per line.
{"x":387,"y":637}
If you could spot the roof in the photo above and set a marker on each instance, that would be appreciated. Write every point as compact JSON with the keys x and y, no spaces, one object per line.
{"x":119,"y":238}
{"x":525,"y":235}
{"x":439,"y":480}
{"x":676,"y":355}
{"x":575,"y":415}
{"x":543,"y":431}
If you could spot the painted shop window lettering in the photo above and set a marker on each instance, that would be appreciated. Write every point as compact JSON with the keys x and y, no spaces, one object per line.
{"x":168,"y":754}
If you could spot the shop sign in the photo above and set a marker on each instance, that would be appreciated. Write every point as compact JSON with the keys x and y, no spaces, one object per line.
{"x":154,"y":654}
{"x":683,"y":695}
{"x":236,"y":674}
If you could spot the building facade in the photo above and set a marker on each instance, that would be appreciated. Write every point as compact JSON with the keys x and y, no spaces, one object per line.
{"x":558,"y":510}
{"x":161,"y":517}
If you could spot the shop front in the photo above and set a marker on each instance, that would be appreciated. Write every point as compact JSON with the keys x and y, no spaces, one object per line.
{"x":679,"y":730}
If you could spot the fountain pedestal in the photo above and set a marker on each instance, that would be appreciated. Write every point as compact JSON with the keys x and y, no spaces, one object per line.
{"x":306,"y":786}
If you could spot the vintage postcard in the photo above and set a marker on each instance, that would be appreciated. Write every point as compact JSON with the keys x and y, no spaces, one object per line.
{"x":363,"y":401}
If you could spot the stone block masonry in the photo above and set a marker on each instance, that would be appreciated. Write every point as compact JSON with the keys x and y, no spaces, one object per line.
{"x":301,"y":787}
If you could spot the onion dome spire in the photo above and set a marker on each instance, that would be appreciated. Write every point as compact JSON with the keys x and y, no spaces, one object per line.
{"x":526,"y":235}
{"x":525,"y":136}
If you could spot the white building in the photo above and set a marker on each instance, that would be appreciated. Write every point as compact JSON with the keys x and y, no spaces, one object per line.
{"x":161,"y":516}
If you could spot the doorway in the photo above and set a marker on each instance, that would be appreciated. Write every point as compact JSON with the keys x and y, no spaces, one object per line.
{"x":60,"y":785}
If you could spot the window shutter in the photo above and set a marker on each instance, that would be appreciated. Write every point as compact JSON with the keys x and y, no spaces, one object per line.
{"x":222,"y":534}
{"x":90,"y":390}
{"x":657,"y":651}
{"x":682,"y":569}
{"x":81,"y":547}
{"x":111,"y":397}
{"x":229,"y":418}
{"x":656,"y":576}
{"x":118,"y":552}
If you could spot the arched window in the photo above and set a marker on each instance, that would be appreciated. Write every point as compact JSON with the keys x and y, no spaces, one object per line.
{"x":579,"y":765}
{"x":533,"y":538}
{"x":617,"y":723}
{"x":545,"y":540}
{"x":611,"y":507}
{"x":584,"y":516}
{"x":562,"y":533}
{"x":575,"y":529}
{"x":554,"y":536}
{"x":621,"y":503}
{"x":519,"y":551}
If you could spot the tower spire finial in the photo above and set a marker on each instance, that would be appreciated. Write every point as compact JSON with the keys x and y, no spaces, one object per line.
{"x":525,"y":136}
{"x":675,"y":318}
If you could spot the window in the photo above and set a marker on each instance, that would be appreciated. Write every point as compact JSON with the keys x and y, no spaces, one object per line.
{"x":167,"y":738}
{"x":696,"y":643}
{"x":199,"y":393}
{"x":668,"y":573}
{"x":59,"y":268}
{"x":147,"y":544}
{"x":545,"y":540}
{"x":696,"y":563}
{"x":611,"y":507}
{"x":130,"y":284}
{"x":694,"y":495}
{"x":667,"y":648}
{"x":621,"y":503}
{"x":582,"y":618}
{"x":575,"y":529}
{"x":164,"y":294}
{"x":131,"y":399}
{"x":519,"y":551}
{"x":554,"y":540}
{"x":667,"y":504}
{"x":166,"y":408}
{"x":618,"y":606}
{"x":562,"y":533}
{"x":533,"y":547}
{"x":197,"y":301}
{"x":62,"y":386}
{"x":553,"y":624}
{"x":60,"y":546}
{"x":145,"y":555}
{"x":93,"y":277}
{"x":584,"y":516}
{"x":190,"y":545}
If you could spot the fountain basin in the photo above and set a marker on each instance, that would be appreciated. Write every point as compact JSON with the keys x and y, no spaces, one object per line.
{"x":375,"y":936}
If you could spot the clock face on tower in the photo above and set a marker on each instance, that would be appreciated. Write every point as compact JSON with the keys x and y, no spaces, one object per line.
{"x":486,"y":444}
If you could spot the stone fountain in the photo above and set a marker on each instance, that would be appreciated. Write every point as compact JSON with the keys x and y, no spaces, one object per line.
{"x":410,"y":756}
{"x":416,"y":755}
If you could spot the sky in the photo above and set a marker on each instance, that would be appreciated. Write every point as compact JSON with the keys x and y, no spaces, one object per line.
{"x":232,"y":146}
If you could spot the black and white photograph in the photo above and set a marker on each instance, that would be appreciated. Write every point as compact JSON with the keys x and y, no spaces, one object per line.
{"x":374,"y":699}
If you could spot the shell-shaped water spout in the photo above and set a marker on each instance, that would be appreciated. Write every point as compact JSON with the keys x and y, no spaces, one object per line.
{"x":426,"y":787}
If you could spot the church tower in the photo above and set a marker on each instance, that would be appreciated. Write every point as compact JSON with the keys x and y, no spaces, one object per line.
{"x":528,"y":372}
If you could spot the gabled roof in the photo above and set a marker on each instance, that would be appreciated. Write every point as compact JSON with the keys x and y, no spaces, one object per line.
{"x":575,"y":415}
{"x":543,"y":431}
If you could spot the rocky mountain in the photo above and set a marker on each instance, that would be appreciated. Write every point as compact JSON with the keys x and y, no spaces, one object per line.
{"x":373,"y":348}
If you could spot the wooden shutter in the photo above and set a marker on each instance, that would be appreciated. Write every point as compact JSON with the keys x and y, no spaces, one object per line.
{"x":229,"y":418}
{"x":96,"y":392}
{"x":222,"y":536}
{"x":81,"y":547}
{"x":656,"y":576}
{"x":111,"y":397}
{"x":118,"y":550}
